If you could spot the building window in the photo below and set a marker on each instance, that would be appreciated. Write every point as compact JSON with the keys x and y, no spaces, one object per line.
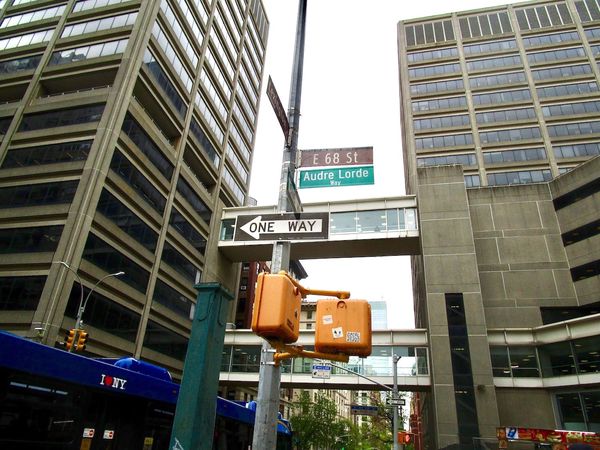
{"x":465,"y":160}
{"x":104,"y":314}
{"x":432,"y":54}
{"x":111,"y":208}
{"x":516,"y":95}
{"x":188,"y":231}
{"x":140,"y":184}
{"x":38,"y":194}
{"x":110,"y":260}
{"x":568,"y":89}
{"x":26,"y":39}
{"x":92,"y":26}
{"x":492,"y":46}
{"x":47,"y":154}
{"x":431,"y":123}
{"x":62,"y":117}
{"x":436,"y":86}
{"x":165,"y":341}
{"x":197,"y":204}
{"x":136,"y":133}
{"x":165,"y":84}
{"x":19,"y":64}
{"x":472,"y":181}
{"x":496,"y":80}
{"x":428,"y":71}
{"x":30,"y":240}
{"x":518,"y":177}
{"x":546,"y":39}
{"x":555,"y":55}
{"x":577,"y":150}
{"x":180,"y":263}
{"x":84,"y":5}
{"x":88,"y":52}
{"x":439,"y":103}
{"x":506,"y":115}
{"x":494,"y":63}
{"x":561,"y":72}
{"x":569,"y":109}
{"x":518,"y":134}
{"x":570,"y":129}
{"x":21,"y":293}
{"x":504,"y":156}
{"x":173,"y":299}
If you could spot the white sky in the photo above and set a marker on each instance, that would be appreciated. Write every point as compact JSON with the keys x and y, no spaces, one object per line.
{"x":349,"y":99}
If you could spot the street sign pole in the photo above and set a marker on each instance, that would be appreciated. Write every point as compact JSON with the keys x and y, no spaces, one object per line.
{"x":265,"y":426}
{"x":396,"y":358}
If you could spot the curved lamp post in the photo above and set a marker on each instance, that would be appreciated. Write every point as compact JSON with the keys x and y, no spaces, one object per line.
{"x":82,"y":302}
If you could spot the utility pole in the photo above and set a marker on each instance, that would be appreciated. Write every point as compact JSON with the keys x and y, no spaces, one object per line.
{"x":265,"y":426}
{"x":395,"y":360}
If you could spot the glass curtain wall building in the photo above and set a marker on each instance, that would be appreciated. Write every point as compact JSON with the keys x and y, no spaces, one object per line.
{"x":501,"y":128}
{"x":126,"y":126}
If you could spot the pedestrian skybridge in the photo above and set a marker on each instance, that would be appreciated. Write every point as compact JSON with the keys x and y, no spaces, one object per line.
{"x":241,"y":362}
{"x":371,"y":227}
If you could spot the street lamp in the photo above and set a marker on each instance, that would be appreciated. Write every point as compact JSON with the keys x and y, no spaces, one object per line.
{"x":82,"y":303}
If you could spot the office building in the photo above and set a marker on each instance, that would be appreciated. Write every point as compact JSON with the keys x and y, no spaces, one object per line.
{"x":501,"y":129}
{"x":378,"y":315}
{"x":126,"y":126}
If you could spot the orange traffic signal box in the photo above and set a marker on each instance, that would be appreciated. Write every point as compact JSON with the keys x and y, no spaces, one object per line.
{"x":343,"y":326}
{"x":276,"y":310}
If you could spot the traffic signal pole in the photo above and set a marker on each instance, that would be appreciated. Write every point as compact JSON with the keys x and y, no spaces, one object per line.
{"x":265,"y":426}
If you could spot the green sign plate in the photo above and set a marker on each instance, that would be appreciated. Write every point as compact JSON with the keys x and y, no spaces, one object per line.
{"x":337,"y":176}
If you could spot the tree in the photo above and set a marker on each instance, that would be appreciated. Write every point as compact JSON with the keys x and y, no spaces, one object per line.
{"x":316,"y":424}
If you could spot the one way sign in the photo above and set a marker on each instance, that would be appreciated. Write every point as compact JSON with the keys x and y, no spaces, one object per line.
{"x":282,"y":227}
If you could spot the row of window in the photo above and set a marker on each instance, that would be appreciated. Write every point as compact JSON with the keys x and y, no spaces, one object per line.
{"x":53,"y":193}
{"x":571,"y":109}
{"x":574,"y":357}
{"x":450,"y":140}
{"x":32,"y":16}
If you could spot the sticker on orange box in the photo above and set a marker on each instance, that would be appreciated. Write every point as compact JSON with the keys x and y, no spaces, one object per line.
{"x":328,"y":319}
{"x":337,"y":332}
{"x":352,"y":336}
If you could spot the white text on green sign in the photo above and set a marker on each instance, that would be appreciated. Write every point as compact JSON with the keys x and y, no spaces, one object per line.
{"x":338,"y":176}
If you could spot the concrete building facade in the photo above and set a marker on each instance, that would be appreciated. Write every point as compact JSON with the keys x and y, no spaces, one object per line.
{"x":500,"y":114}
{"x":127,"y":126}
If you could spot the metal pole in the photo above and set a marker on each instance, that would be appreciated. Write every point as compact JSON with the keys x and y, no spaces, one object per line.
{"x":396,"y":358}
{"x":265,"y":425}
{"x":82,"y":303}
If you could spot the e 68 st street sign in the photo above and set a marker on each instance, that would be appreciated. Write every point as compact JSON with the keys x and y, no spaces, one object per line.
{"x":337,"y":176}
{"x":282,"y":227}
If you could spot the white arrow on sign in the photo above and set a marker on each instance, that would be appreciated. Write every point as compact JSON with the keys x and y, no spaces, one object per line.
{"x":257,"y":226}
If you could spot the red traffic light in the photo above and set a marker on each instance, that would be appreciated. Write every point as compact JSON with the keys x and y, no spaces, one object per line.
{"x":404,"y":437}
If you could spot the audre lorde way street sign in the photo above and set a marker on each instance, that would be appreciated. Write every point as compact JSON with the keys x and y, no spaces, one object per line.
{"x":282,"y":227}
{"x":337,"y":176}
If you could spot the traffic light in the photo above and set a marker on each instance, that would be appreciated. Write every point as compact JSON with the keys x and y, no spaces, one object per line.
{"x":343,"y":326}
{"x":276,"y":310}
{"x":70,"y":338}
{"x":81,"y":341}
{"x":404,"y":437}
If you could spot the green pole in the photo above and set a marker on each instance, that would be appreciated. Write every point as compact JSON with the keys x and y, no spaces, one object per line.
{"x":194,"y":423}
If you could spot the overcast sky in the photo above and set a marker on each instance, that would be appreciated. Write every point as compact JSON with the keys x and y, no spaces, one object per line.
{"x":349,"y":99}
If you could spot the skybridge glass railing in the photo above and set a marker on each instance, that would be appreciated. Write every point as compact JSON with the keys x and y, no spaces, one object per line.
{"x":413,"y":362}
{"x":353,"y":222}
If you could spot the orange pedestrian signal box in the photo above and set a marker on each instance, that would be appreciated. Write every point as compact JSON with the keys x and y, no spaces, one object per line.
{"x":276,"y":310}
{"x":343,"y":326}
